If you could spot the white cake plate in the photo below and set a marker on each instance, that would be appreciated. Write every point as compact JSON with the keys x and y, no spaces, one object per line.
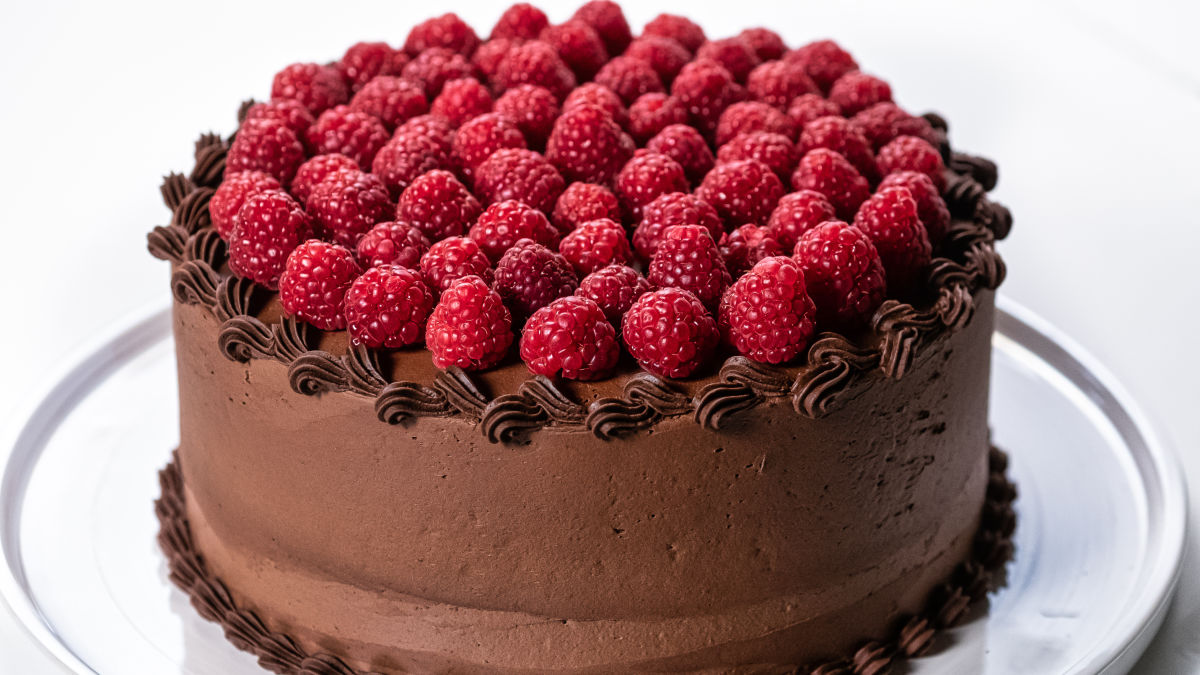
{"x":1100,"y":532}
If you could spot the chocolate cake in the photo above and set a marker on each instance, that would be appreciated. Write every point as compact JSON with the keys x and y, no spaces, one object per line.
{"x":517,"y":355}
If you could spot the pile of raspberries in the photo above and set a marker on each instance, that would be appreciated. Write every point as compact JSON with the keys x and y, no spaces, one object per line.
{"x":578,"y":190}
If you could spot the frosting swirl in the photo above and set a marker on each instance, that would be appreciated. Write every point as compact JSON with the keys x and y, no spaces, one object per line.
{"x":401,"y":402}
{"x":195,"y":282}
{"x":167,"y":243}
{"x":192,"y":212}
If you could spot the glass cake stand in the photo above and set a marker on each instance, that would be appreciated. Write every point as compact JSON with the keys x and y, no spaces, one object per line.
{"x":1099,"y":540}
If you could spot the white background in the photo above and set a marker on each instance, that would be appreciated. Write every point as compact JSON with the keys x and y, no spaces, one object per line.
{"x":1091,"y":110}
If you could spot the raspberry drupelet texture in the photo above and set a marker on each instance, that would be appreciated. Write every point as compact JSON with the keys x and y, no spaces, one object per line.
{"x":392,"y":243}
{"x":664,"y":55}
{"x":706,"y":89}
{"x":774,"y":150}
{"x":629,"y":78}
{"x":797,"y":213}
{"x":447,"y":31}
{"x":387,"y":306}
{"x":778,"y":83}
{"x":451,"y":259}
{"x":267,"y":145}
{"x":268,"y":226}
{"x":930,"y":206}
{"x":825,"y":171}
{"x":766,"y":43}
{"x":502,"y":224}
{"x":843,"y":273}
{"x":436,"y":129}
{"x":600,"y":96}
{"x":884,"y":121}
{"x":532,"y":108}
{"x":530,"y":276}
{"x":670,"y":332}
{"x":469,"y":327}
{"x":614,"y":289}
{"x":672,"y":209}
{"x":462,"y":100}
{"x":406,"y":156}
{"x":909,"y":153}
{"x":229,"y":196}
{"x":767,"y":313}
{"x":364,"y":61}
{"x":436,"y":66}
{"x":688,"y":258}
{"x":316,"y":170}
{"x":836,"y":133}
{"x":290,"y":113}
{"x":570,"y":337}
{"x":438,"y":205}
{"x":733,"y":53}
{"x":745,"y":191}
{"x":596,"y":244}
{"x":890,"y":219}
{"x":609,"y":23}
{"x":314,"y":283}
{"x":685,"y":145}
{"x":518,"y":174}
{"x":579,"y":47}
{"x":313,"y":86}
{"x":651,"y":113}
{"x":522,"y":21}
{"x":646,"y":177}
{"x":346,"y":131}
{"x":587,"y":145}
{"x":744,"y":247}
{"x":824,"y":61}
{"x":808,"y":107}
{"x":490,"y":54}
{"x":347,"y":204}
{"x":750,"y":116}
{"x":535,"y":63}
{"x":478,"y":139}
{"x":679,"y":28}
{"x":856,"y":91}
{"x":583,"y":202}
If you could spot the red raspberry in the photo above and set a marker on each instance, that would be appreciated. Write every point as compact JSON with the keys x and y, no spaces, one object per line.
{"x":265,"y":145}
{"x":461,"y":100}
{"x":646,"y":177}
{"x":405,"y":157}
{"x":391,"y":99}
{"x":469,"y":327}
{"x":751,"y":116}
{"x":354,"y":134}
{"x":293,"y":115}
{"x":570,"y":335}
{"x":490,"y":54}
{"x":930,"y":205}
{"x":668,"y":211}
{"x":447,"y":31}
{"x":808,"y":107}
{"x":688,"y":258}
{"x":232,"y":193}
{"x":629,"y":78}
{"x":436,"y":66}
{"x":438,"y":205}
{"x":347,"y":204}
{"x":535,"y":63}
{"x":745,"y":246}
{"x":824,"y":61}
{"x":909,"y":153}
{"x":392,"y":243}
{"x":884,"y":121}
{"x":686,"y":146}
{"x":314,"y":86}
{"x":609,"y":23}
{"x":827,"y":172}
{"x":774,"y":150}
{"x":745,"y":191}
{"x":856,"y":91}
{"x":530,"y":276}
{"x":387,"y":307}
{"x":600,"y":96}
{"x":595,"y":244}
{"x":579,"y":46}
{"x":314,"y":283}
{"x":582,"y":202}
{"x":614,"y":288}
{"x":890,"y":219}
{"x":678,"y":28}
{"x":500,"y":226}
{"x":478,"y":139}
{"x":669,"y":332}
{"x":767,"y":313}
{"x":766,"y":43}
{"x":798,"y":213}
{"x":434,"y":128}
{"x":451,"y":259}
{"x":316,"y":170}
{"x":733,"y":53}
{"x":268,"y":226}
{"x":533,"y":108}
{"x":666,"y":56}
{"x":522,"y":21}
{"x":652,"y":113}
{"x":778,"y":83}
{"x":837,"y":134}
{"x":706,"y":89}
{"x":844,"y":275}
{"x":587,"y":145}
{"x":364,"y":61}
{"x":519,"y":174}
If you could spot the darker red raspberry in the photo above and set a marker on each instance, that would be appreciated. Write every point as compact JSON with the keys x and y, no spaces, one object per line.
{"x":392,"y":243}
{"x":824,"y":61}
{"x":733,"y":53}
{"x":668,"y":211}
{"x":437,"y":129}
{"x":909,"y":153}
{"x":767,"y":313}
{"x":438,"y":204}
{"x":645,"y":177}
{"x":836,"y":133}
{"x":798,"y":213}
{"x":534,"y":110}
{"x":291,"y":113}
{"x":609,"y":23}
{"x":316,"y":170}
{"x":830,"y":174}
{"x":534,"y":63}
{"x":461,"y":100}
{"x":843,"y":272}
{"x":751,"y":116}
{"x":614,"y":289}
{"x":652,"y":113}
{"x":571,"y":337}
{"x":744,"y":247}
{"x":774,"y":150}
{"x":391,"y":99}
{"x":469,"y":327}
{"x":706,"y":89}
{"x":808,"y":107}
{"x":579,"y":47}
{"x":265,"y":145}
{"x":766,"y":43}
{"x":595,"y":244}
{"x":354,"y":134}
{"x":856,"y":91}
{"x":587,"y":145}
{"x":670,"y":332}
{"x":582,"y":202}
{"x":451,"y":259}
{"x":688,"y":258}
{"x":436,"y":66}
{"x":347,"y":204}
{"x":490,"y":54}
{"x":314,"y":86}
{"x":530,"y":276}
{"x":745,"y":191}
{"x":884,"y":121}
{"x":629,"y":78}
{"x":681,"y":29}
{"x":478,"y":139}
{"x":519,"y":174}
{"x":387,"y":307}
{"x":930,"y":206}
{"x":364,"y":61}
{"x":664,"y":55}
{"x":314,"y":283}
{"x":232,"y":193}
{"x":447,"y":31}
{"x":522,"y":21}
{"x":686,"y":146}
{"x":778,"y":83}
{"x":503,"y":223}
{"x":600,"y":96}
{"x":405,"y":157}
{"x":890,"y":219}
{"x":268,"y":226}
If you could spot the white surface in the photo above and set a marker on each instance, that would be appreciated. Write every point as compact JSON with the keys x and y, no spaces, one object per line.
{"x":1090,"y":110}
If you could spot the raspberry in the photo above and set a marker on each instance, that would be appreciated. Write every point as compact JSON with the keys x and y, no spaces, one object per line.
{"x":437,"y":129}
{"x":347,"y":204}
{"x":798,"y":213}
{"x":830,"y":174}
{"x":500,"y":226}
{"x":490,"y":54}
{"x":836,"y":133}
{"x":669,"y":332}
{"x":392,"y":243}
{"x":436,"y":66}
{"x":522,"y":21}
{"x":652,"y":113}
{"x":646,"y":177}
{"x":587,"y":145}
{"x":843,"y":273}
{"x":293,"y":115}
{"x":778,"y":83}
{"x":469,"y":327}
{"x":688,"y":258}
{"x":534,"y":110}
{"x":461,"y":100}
{"x":890,"y":219}
{"x":767,"y":313}
{"x":265,"y":145}
{"x":232,"y":193}
{"x":614,"y":288}
{"x":745,"y":191}
{"x":629,"y":78}
{"x":664,"y":55}
{"x":316,"y":170}
{"x":609,"y":23}
{"x":930,"y":206}
{"x":774,"y":150}
{"x":314,"y":283}
{"x":530,"y":276}
{"x":744,"y":247}
{"x":451,"y":259}
{"x":766,"y":43}
{"x":478,"y":139}
{"x":824,"y":61}
{"x":733,"y":53}
{"x":582,"y":202}
{"x":313,"y":86}
{"x":909,"y":153}
{"x":387,"y":307}
{"x":751,"y":116}
{"x":364,"y":61}
{"x":808,"y":107}
{"x":438,"y":205}
{"x":354,"y":134}
{"x":595,"y":244}
{"x":678,"y":28}
{"x":884,"y":121}
{"x":391,"y":99}
{"x":856,"y":91}
{"x":268,"y":226}
{"x":706,"y":89}
{"x":570,"y":335}
{"x":405,"y":157}
{"x":447,"y":31}
{"x":600,"y":96}
{"x":519,"y":174}
{"x":668,"y":211}
{"x":686,"y":146}
{"x":535,"y":63}
{"x":579,"y":47}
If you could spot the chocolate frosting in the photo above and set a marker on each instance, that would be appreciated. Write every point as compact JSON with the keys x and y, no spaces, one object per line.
{"x":645,"y":400}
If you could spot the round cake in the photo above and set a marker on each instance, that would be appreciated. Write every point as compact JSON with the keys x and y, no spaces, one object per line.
{"x":574,"y":351}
